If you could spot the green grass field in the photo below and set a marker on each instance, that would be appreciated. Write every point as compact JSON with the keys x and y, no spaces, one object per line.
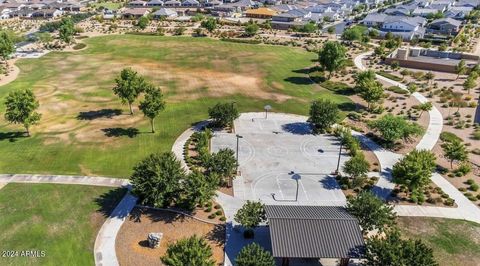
{"x":454,"y":242}
{"x":61,"y":220}
{"x":194,"y":73}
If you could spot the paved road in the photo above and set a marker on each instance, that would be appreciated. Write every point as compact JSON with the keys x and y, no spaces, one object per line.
{"x":465,"y":210}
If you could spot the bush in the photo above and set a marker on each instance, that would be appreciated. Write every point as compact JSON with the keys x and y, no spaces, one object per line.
{"x":223,"y":219}
{"x":248,"y":41}
{"x":397,"y":89}
{"x":389,"y":76}
{"x":474,"y":187}
{"x":449,"y":137}
{"x":212,"y":216}
{"x":219,"y":212}
{"x":449,"y":202}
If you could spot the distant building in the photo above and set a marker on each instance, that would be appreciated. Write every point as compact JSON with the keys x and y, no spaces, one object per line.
{"x":262,"y":13}
{"x":432,"y":60}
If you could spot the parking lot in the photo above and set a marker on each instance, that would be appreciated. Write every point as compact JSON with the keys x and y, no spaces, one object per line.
{"x":281,"y":162}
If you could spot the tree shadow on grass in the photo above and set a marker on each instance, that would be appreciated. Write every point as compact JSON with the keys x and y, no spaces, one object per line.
{"x":102,"y":113}
{"x":12,"y":136}
{"x":299,"y":80}
{"x":130,"y":132}
{"x":109,"y":200}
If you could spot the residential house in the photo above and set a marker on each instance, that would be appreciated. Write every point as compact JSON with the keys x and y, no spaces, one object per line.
{"x":458,"y":12}
{"x":262,"y":13}
{"x":374,"y":19}
{"x":137,"y":4}
{"x":190,"y":3}
{"x":397,"y":11}
{"x":164,"y":13}
{"x":155,"y":3}
{"x":292,"y":18}
{"x":172,"y":3}
{"x":135,"y":13}
{"x":446,"y":26}
{"x":424,"y":12}
{"x":468,"y":3}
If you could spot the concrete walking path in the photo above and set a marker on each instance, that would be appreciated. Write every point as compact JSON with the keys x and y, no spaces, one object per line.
{"x":466,"y":209}
{"x":104,"y":249}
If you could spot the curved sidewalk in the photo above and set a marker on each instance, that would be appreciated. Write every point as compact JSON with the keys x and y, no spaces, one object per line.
{"x":466,"y":209}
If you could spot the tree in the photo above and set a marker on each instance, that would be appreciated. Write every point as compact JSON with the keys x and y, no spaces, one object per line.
{"x":66,"y":30}
{"x":424,"y":107}
{"x":455,"y":151}
{"x":331,"y":57}
{"x":143,"y":22}
{"x":392,"y":250}
{"x":223,"y":114}
{"x":323,"y":114}
{"x":372,"y":213}
{"x":250,"y":216}
{"x":368,"y":87}
{"x":353,"y":34}
{"x":20,"y":108}
{"x":331,"y":30}
{"x":470,"y":83}
{"x":198,"y":188}
{"x":356,"y":166}
{"x":128,"y":87}
{"x":210,"y":24}
{"x":309,"y":27}
{"x":222,"y":163}
{"x":254,"y":255}
{"x":393,"y":128}
{"x":460,"y":68}
{"x":7,"y":46}
{"x":429,"y":76}
{"x":156,"y":179}
{"x":189,"y":251}
{"x":251,"y":29}
{"x":414,"y":170}
{"x":153,"y":104}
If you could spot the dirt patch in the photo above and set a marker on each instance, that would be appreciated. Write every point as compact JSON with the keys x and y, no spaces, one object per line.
{"x":131,"y":246}
{"x":12,"y":74}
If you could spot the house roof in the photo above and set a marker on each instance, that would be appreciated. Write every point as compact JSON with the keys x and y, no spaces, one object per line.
{"x":375,"y":17}
{"x":165,"y":12}
{"x":451,"y":21}
{"x":314,"y":232}
{"x":261,"y":11}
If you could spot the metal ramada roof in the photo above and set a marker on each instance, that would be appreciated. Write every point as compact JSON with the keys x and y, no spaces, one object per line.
{"x":314,"y":232}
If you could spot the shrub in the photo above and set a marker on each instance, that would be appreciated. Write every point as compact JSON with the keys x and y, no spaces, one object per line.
{"x":212,"y":216}
{"x":474,"y":187}
{"x":449,"y":137}
{"x":223,"y":219}
{"x":219,"y":212}
{"x":397,"y":89}
{"x":449,"y":202}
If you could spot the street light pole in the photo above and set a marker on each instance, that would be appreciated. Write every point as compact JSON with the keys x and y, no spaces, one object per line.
{"x":238,"y":140}
{"x":267,"y":108}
